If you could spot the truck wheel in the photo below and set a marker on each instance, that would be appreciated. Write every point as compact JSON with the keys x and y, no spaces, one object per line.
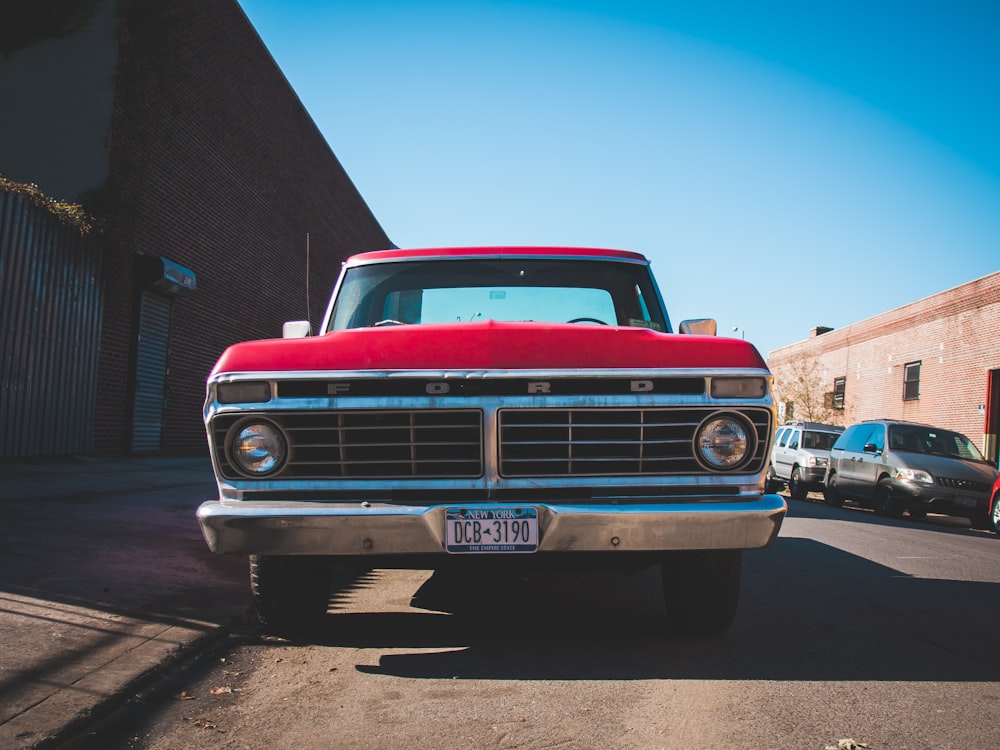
{"x":796,"y":488}
{"x":701,"y":589}
{"x":291,"y":593}
{"x":885,"y":504}
{"x":831,"y":493}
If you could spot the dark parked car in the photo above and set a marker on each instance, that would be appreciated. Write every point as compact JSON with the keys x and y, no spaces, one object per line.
{"x":896,"y":467}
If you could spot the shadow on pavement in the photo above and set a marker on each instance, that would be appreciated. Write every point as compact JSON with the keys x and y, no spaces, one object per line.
{"x":104,"y":578}
{"x":815,"y":507}
{"x":808,"y":612}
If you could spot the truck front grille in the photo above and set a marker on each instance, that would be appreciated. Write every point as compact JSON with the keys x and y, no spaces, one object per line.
{"x":373,"y":443}
{"x":449,"y":443}
{"x":607,"y":442}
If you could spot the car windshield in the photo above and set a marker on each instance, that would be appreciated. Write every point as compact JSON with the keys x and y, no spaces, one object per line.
{"x":819,"y":441}
{"x":919,"y":439}
{"x":466,"y":290}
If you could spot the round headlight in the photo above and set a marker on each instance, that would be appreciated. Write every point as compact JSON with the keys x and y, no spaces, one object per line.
{"x":723,"y":442}
{"x":259,"y":448}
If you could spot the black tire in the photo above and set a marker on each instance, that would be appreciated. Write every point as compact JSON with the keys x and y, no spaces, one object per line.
{"x":982,"y":523}
{"x":291,"y":593}
{"x":831,"y":492}
{"x":701,"y":590}
{"x":772,"y":483}
{"x":884,"y":502}
{"x":796,"y":488}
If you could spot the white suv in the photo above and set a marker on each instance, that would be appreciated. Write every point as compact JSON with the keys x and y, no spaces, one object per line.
{"x":800,"y":455}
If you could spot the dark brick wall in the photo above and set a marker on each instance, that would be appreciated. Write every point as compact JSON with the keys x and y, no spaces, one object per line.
{"x":215,"y":165}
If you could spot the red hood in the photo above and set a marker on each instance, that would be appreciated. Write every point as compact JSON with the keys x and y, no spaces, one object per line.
{"x":487,"y":346}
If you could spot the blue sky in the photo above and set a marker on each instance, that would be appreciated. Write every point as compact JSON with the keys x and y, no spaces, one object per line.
{"x":783,"y":164}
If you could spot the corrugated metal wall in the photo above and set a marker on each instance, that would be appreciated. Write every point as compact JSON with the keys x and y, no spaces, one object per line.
{"x":50,"y":327}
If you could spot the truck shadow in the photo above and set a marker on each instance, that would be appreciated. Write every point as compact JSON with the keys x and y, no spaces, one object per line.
{"x":808,"y":612}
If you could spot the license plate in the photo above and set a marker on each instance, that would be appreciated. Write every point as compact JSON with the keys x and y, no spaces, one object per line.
{"x":965,"y":502}
{"x":491,"y":529}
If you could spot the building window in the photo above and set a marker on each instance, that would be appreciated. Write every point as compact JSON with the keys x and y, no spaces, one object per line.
{"x":911,"y":381}
{"x":839,"y":386}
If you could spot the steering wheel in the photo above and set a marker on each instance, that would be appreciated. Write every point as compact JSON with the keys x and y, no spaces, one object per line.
{"x":587,"y":320}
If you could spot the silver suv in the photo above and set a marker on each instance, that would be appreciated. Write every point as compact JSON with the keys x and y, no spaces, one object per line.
{"x":800,"y":455}
{"x":895,"y":466}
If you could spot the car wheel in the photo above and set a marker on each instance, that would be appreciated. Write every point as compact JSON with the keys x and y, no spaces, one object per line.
{"x":772,"y":483}
{"x":990,"y":519}
{"x":831,"y":493}
{"x":701,"y":589}
{"x":796,"y":488}
{"x":982,"y":523}
{"x":885,"y":503}
{"x":291,"y":593}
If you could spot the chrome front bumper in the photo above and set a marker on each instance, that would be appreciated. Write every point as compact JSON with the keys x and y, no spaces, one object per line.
{"x":359,"y":529}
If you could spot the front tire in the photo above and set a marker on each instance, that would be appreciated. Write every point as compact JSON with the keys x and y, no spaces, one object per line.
{"x":772,"y":483}
{"x":885,"y":503}
{"x":990,"y":520}
{"x":982,"y":523}
{"x":291,"y":593}
{"x":796,"y":488}
{"x":701,"y":590}
{"x":831,"y":492}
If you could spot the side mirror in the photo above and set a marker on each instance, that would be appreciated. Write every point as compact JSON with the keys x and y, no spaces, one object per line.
{"x":699,"y":326}
{"x":296,"y":329}
{"x":871,"y":448}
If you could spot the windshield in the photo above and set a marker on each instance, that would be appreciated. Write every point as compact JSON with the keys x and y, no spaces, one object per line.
{"x":819,"y":441}
{"x":465,"y":290}
{"x":919,"y":439}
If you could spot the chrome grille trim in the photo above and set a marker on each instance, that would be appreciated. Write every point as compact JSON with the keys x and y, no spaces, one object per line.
{"x":370,"y":443}
{"x":610,"y":442}
{"x":457,"y":444}
{"x":675,"y":470}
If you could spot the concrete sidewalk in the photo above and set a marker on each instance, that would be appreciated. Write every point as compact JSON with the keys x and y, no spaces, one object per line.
{"x":104,"y":580}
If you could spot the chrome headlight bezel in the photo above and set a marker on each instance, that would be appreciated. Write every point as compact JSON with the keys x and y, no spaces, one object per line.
{"x":257,"y":447}
{"x":725,"y":441}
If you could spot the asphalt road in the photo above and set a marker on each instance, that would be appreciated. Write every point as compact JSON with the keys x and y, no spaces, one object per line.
{"x":104,"y":580}
{"x":850,"y":626}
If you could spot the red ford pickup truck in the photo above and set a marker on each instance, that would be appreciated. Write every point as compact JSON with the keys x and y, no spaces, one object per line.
{"x":492,"y":408}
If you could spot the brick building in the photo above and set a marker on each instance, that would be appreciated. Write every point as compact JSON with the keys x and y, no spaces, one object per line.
{"x":170,"y":120}
{"x":936,"y":360}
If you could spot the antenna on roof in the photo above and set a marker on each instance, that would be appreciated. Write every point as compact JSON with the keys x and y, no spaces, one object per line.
{"x":308,"y":313}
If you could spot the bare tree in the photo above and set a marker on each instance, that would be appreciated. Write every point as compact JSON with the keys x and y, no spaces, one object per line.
{"x":799,"y":388}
